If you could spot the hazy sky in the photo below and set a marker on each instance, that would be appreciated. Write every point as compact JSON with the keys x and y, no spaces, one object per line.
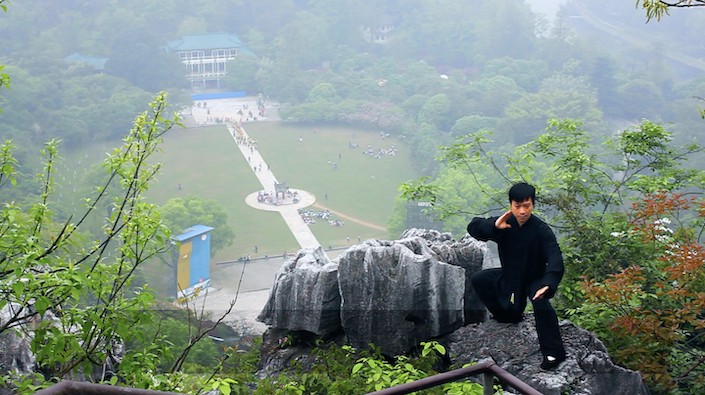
{"x":548,"y":7}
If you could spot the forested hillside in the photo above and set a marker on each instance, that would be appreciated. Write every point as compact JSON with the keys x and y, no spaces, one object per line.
{"x":437,"y":68}
{"x":600,"y":110}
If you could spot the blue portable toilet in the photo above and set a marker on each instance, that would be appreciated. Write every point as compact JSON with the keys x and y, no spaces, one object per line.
{"x":194,"y":259}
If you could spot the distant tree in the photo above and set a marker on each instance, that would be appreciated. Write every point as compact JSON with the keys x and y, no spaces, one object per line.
{"x":436,"y":42}
{"x":70,"y":105}
{"x":557,"y":42}
{"x":304,"y":42}
{"x":138,"y":56}
{"x":103,"y":104}
{"x":603,"y":78}
{"x":418,"y":77}
{"x":435,"y":112}
{"x":242,"y":74}
{"x":527,"y":73}
{"x":559,"y":96}
{"x":491,"y":95}
{"x":423,"y":145}
{"x":285,"y":82}
{"x":472,"y":124}
{"x":505,"y":28}
{"x":179,"y":214}
{"x":323,"y":92}
{"x":640,"y":99}
{"x":412,"y":105}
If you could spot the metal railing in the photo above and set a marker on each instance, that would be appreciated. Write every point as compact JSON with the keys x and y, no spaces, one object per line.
{"x":69,"y":387}
{"x":488,"y":369}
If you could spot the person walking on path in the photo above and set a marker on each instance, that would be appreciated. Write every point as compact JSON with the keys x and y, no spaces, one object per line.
{"x":531,"y":267}
{"x":302,"y":233}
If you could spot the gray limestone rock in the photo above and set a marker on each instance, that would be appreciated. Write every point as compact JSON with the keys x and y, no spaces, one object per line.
{"x":468,"y":253}
{"x":15,"y":353}
{"x":514,"y":347}
{"x":16,"y":356}
{"x":397,"y":294}
{"x":305,"y":295}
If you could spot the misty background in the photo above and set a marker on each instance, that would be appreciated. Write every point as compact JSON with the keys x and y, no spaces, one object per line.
{"x":428,"y":70}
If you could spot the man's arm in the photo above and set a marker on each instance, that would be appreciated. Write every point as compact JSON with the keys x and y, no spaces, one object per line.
{"x":554,"y":264}
{"x":483,"y":229}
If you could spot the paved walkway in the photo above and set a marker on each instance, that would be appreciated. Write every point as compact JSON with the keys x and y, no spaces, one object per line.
{"x":289,"y":210}
{"x":248,"y":284}
{"x":225,"y":111}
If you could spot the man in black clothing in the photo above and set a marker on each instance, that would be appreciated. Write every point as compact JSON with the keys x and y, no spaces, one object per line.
{"x":532,"y":267}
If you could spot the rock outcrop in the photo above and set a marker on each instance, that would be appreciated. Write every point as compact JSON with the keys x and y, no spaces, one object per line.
{"x":514,"y":347}
{"x":305,"y":295}
{"x":468,"y":253}
{"x":16,"y":356}
{"x":396,"y":294}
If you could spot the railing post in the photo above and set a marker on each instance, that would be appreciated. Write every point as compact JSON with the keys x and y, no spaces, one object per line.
{"x":487,"y":383}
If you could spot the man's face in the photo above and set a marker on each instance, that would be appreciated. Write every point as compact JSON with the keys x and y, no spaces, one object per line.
{"x":522,"y":210}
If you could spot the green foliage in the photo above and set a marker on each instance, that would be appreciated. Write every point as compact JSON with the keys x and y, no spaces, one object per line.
{"x":654,"y":8}
{"x":604,"y":203}
{"x":4,"y":78}
{"x":344,"y":370}
{"x":179,"y":214}
{"x":80,"y":292}
{"x":380,"y":374}
{"x":560,"y":96}
{"x":8,"y":164}
{"x":435,"y":112}
{"x":81,"y":108}
{"x":178,"y":332}
{"x":223,"y":385}
{"x":649,"y":314}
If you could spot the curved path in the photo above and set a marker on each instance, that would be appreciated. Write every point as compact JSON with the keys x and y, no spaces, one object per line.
{"x":352,"y":219}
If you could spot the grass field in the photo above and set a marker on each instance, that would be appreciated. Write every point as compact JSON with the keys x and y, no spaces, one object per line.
{"x":362,"y":189}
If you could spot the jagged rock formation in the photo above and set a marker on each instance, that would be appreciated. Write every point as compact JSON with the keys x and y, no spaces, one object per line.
{"x":16,"y":356}
{"x":514,"y":347}
{"x":305,"y":295}
{"x":468,"y":253}
{"x":394,"y":294}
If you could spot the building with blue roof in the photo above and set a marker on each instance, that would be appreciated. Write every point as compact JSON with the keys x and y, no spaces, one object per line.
{"x":205,"y":56}
{"x":193,"y":260}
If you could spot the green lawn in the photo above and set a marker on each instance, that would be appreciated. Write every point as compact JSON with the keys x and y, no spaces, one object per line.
{"x":207,"y":163}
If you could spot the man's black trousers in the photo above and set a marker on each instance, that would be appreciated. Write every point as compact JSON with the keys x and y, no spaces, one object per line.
{"x":487,"y":283}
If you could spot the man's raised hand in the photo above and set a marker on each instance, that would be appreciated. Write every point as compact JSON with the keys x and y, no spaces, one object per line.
{"x":501,"y":222}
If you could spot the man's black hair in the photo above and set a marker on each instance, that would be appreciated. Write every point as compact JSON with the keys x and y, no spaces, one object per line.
{"x":522,"y":191}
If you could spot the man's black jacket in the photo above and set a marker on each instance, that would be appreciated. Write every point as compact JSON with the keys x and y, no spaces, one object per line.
{"x":529,"y":254}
